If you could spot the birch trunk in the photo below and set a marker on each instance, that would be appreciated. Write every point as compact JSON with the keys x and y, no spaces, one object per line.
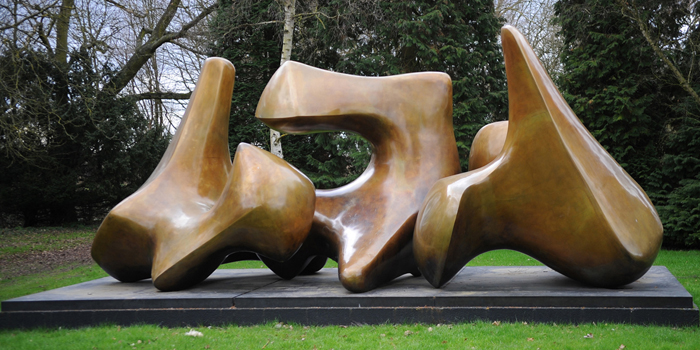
{"x":287,"y":40}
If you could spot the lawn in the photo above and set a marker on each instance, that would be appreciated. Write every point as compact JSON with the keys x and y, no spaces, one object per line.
{"x":27,"y":244}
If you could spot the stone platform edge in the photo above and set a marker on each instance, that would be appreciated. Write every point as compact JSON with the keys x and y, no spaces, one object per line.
{"x":246,"y":297}
{"x":348,"y":316}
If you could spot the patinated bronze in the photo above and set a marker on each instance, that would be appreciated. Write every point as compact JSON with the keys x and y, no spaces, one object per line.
{"x":553,"y":192}
{"x":367,"y":225}
{"x":488,"y":144}
{"x":198,"y":206}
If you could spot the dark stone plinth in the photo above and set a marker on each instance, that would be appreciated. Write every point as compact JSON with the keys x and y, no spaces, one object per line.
{"x":533,"y":294}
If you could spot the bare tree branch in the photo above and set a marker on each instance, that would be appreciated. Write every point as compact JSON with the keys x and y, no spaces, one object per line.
{"x":161,"y":96}
{"x":39,"y":12}
{"x":188,"y":48}
{"x":157,"y":38}
{"x":632,"y":11}
{"x":125,"y":9}
{"x":168,"y":37}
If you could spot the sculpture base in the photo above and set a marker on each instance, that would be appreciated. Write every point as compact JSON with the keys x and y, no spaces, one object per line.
{"x":517,"y":294}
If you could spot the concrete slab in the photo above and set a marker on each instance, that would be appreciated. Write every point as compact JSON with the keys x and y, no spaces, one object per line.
{"x":533,"y":294}
{"x":524,"y":286}
{"x":217,"y":291}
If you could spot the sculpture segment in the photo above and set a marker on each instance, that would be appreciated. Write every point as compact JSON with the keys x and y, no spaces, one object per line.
{"x":488,"y":144}
{"x":367,"y":225}
{"x":198,"y":206}
{"x":553,"y":193}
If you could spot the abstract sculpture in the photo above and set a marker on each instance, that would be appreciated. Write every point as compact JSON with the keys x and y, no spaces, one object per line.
{"x":367,"y":225}
{"x":553,"y":193}
{"x":198,"y":206}
{"x":539,"y":184}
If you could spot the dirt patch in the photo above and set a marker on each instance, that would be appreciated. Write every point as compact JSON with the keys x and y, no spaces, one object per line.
{"x":45,"y":250}
{"x":15,"y":265}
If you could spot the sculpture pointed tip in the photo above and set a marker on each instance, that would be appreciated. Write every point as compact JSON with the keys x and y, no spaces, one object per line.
{"x":508,"y":28}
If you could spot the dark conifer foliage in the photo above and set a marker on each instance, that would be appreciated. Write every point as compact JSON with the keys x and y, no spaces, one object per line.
{"x":631,"y":102}
{"x":370,"y":38}
{"x":68,"y":153}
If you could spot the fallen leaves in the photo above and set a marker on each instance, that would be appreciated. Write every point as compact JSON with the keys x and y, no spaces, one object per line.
{"x":496,"y":323}
{"x":588,"y":336}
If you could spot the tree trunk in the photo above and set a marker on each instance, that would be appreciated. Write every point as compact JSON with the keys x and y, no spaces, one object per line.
{"x":287,"y":40}
{"x":62,"y":26}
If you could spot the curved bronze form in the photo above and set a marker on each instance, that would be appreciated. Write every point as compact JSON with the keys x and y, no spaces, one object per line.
{"x":367,"y":225}
{"x":553,"y":193}
{"x":488,"y":144}
{"x":198,"y":207}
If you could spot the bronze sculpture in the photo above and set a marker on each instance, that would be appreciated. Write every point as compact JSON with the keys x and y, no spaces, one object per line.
{"x":553,"y":193}
{"x":198,"y":206}
{"x":367,"y":225}
{"x":539,"y":183}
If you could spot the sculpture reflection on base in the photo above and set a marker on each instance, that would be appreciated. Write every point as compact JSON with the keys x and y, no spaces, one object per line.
{"x":553,"y":193}
{"x":198,"y":206}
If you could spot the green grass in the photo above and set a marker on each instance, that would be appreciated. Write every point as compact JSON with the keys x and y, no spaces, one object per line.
{"x":685,"y":265}
{"x":22,"y":240}
{"x":64,"y":276}
{"x":504,"y":258}
{"x":477,"y":335}
{"x":259,"y":265}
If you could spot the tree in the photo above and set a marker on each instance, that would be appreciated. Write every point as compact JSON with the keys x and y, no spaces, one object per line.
{"x":68,"y":130}
{"x":289,"y":7}
{"x":249,"y":34}
{"x":456,"y":37}
{"x":87,"y":153}
{"x":534,"y":18}
{"x":57,"y":27}
{"x":632,"y":101}
{"x":365,"y":38}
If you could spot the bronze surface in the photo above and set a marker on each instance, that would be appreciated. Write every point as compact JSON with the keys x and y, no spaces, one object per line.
{"x":198,"y":206}
{"x":488,"y":144}
{"x":367,"y":225}
{"x":553,"y":192}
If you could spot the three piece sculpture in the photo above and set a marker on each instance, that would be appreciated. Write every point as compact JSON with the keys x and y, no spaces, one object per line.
{"x":539,"y":184}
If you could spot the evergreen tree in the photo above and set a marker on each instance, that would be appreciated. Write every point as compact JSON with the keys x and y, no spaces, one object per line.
{"x":86,"y":153}
{"x":627,"y":97}
{"x":459,"y":38}
{"x":375,"y":38}
{"x":249,"y":36}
